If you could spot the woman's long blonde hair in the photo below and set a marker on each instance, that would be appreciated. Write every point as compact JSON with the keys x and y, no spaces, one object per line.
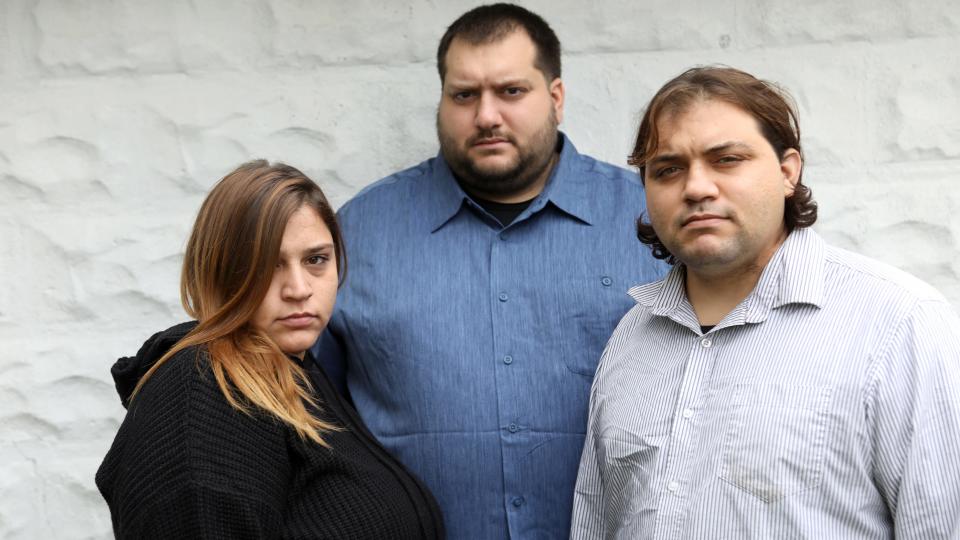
{"x":227,"y":269}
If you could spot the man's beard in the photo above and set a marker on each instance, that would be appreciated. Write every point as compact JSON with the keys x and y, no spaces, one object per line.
{"x":532,"y":162}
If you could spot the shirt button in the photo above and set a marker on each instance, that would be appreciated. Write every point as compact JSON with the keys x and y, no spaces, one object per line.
{"x":508,"y":359}
{"x":606,"y":281}
{"x":518,"y":501}
{"x":513,"y":428}
{"x":687,"y":413}
{"x":503,"y":236}
{"x":673,"y":487}
{"x":705,"y":342}
{"x":503,"y":297}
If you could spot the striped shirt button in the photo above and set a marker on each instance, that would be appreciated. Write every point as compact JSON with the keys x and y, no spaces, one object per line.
{"x":673,"y":487}
{"x":706,"y":343}
{"x":688,"y":413}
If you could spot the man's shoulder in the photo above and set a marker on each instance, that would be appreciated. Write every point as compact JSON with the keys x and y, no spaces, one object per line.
{"x":645,"y":297}
{"x":646,"y":294}
{"x":391,"y":189}
{"x":878,"y":279}
{"x":604,"y":170}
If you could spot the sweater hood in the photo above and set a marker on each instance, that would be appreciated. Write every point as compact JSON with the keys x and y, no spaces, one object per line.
{"x":128,"y":371}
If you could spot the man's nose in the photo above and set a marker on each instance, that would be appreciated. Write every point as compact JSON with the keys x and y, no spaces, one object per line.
{"x":700,"y":183}
{"x":488,"y":112}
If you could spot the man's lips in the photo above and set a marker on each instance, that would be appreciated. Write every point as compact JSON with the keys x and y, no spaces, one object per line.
{"x":488,"y":142}
{"x":298,"y":320}
{"x":703,"y":220}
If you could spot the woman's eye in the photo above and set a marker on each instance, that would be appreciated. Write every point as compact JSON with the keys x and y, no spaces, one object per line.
{"x":317,"y":259}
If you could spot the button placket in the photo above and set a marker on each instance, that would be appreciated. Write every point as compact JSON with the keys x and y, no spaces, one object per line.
{"x":683,"y":430}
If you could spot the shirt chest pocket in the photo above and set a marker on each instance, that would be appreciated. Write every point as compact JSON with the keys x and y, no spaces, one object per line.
{"x":776,"y":440}
{"x":588,"y":309}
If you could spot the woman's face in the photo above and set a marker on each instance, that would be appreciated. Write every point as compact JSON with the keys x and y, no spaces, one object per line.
{"x":304,"y":285}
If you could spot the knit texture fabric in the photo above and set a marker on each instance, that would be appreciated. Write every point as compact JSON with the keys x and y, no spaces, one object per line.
{"x":185,"y":464}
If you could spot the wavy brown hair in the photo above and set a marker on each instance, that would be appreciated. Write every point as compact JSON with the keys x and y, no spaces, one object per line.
{"x":227,"y":270}
{"x":770,"y":105}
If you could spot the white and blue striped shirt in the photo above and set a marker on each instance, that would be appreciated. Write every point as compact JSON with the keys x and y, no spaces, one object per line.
{"x":825,"y":405}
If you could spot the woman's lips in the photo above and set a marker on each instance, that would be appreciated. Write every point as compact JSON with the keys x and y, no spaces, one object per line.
{"x":298,"y":320}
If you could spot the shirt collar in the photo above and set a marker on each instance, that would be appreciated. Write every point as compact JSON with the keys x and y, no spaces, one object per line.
{"x":794,"y":275}
{"x":566,"y":189}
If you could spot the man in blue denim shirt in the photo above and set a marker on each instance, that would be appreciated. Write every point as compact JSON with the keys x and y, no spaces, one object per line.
{"x":483,"y":285}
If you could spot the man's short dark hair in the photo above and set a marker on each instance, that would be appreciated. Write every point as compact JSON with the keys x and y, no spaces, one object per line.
{"x":491,"y":23}
{"x":767,"y":103}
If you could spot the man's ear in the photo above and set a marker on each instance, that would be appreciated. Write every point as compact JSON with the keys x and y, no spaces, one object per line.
{"x":557,"y":94}
{"x":791,"y":164}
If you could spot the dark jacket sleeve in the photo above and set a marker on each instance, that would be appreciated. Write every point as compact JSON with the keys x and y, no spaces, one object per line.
{"x":185,"y":464}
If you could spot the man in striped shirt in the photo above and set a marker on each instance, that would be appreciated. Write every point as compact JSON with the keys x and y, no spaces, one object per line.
{"x":771,"y":386}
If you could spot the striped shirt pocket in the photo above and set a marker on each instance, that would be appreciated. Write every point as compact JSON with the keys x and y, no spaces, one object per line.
{"x":775,"y":443}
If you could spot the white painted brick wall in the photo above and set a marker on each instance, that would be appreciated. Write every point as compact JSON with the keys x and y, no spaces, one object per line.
{"x":116,"y":116}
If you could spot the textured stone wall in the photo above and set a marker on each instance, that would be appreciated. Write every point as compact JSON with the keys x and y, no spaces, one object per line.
{"x":116,"y":116}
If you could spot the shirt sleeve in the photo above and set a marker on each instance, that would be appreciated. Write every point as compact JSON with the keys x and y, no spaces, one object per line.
{"x":192,"y":466}
{"x":589,"y":498}
{"x":914,"y":415}
{"x":587,"y":519}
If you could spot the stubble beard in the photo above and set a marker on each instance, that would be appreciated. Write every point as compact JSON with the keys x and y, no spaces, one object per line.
{"x":708,"y":259}
{"x":718,"y":253}
{"x":531,"y":164}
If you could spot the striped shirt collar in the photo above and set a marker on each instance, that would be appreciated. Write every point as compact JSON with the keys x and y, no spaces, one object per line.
{"x":794,"y":275}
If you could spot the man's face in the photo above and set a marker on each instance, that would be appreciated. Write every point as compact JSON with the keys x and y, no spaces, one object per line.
{"x":497,"y":119}
{"x":716,"y":189}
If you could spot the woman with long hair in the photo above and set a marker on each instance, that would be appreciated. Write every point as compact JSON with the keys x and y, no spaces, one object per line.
{"x":232,"y":430}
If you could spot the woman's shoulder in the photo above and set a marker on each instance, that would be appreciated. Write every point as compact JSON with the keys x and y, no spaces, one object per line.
{"x":183,"y":450}
{"x":129,"y":371}
{"x":181,"y":405}
{"x":181,"y":376}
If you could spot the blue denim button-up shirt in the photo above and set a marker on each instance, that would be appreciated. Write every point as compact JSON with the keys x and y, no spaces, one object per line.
{"x":469,"y":349}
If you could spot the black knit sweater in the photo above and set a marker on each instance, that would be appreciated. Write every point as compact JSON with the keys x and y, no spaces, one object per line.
{"x":185,"y":464}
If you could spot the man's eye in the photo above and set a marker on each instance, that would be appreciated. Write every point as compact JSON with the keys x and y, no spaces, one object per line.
{"x":514,"y":91}
{"x":665,"y":172}
{"x":729,"y":159}
{"x":463,"y":96}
